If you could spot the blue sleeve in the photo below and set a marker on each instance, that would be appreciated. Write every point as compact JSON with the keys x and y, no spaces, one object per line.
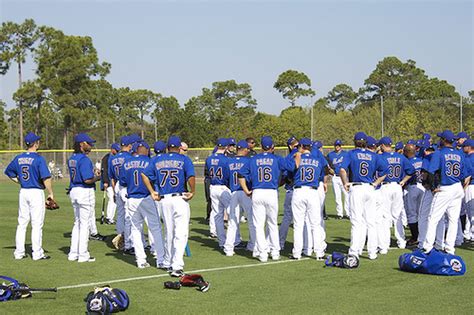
{"x":11,"y":170}
{"x":189,"y":168}
{"x":324,"y":162}
{"x":346,"y":161}
{"x":381,"y":166}
{"x":86,"y":169}
{"x":226,"y":170}
{"x":286,"y":164}
{"x":109,"y":167}
{"x":407,"y":166}
{"x":244,"y":171}
{"x":43,"y":169}
{"x":150,"y":171}
{"x":435,"y":163}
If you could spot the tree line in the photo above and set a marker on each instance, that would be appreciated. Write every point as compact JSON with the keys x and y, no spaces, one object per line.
{"x":70,"y":93}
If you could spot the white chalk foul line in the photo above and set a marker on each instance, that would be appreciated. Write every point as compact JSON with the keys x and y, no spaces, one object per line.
{"x":92,"y":284}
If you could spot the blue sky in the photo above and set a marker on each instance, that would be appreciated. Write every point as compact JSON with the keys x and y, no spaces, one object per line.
{"x":179,"y":47}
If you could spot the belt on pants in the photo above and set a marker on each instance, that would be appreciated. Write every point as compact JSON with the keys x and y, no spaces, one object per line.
{"x":171,"y":195}
{"x":358,"y":184}
{"x":298,"y":187}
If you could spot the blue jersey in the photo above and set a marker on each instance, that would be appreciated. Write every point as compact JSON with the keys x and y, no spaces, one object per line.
{"x":451,"y":165}
{"x":289,"y":174}
{"x":218,"y":169}
{"x":335,"y":160}
{"x":470,"y":160}
{"x":153,"y":161}
{"x":417,"y":164}
{"x":131,"y":174}
{"x":170,"y":172}
{"x":309,"y":171}
{"x":115,"y":164}
{"x":235,"y":164}
{"x":398,"y":167}
{"x":30,"y":168}
{"x":265,"y":170}
{"x":80,"y":169}
{"x":362,"y":165}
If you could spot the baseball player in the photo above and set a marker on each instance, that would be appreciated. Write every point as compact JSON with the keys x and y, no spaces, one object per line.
{"x":120,"y":190}
{"x":399,"y":147}
{"x":399,"y":172}
{"x":106,"y":183}
{"x":264,"y":171}
{"x":305,"y":202}
{"x":292,"y":144}
{"x":362,"y":164}
{"x":251,"y":143}
{"x":218,"y":170}
{"x":468,"y":147}
{"x":172,"y":172}
{"x":82,"y":195}
{"x":141,"y":206}
{"x":335,"y":159}
{"x":30,"y":171}
{"x":450,"y":165}
{"x":414,"y":193}
{"x":184,"y":148}
{"x":231,"y":150}
{"x":239,"y":201}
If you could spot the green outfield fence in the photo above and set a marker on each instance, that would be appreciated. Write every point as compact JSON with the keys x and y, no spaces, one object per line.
{"x":56,"y":158}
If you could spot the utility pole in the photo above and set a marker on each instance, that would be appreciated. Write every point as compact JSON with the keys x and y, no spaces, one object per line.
{"x":312,"y":118}
{"x":460,"y":112}
{"x":381,"y":110}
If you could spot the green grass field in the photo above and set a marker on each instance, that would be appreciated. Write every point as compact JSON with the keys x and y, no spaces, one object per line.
{"x":303,"y":286}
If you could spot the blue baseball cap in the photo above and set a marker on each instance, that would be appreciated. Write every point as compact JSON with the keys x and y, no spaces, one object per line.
{"x":468,"y":143}
{"x":426,"y":136}
{"x":115,"y":146}
{"x":447,"y":135}
{"x":317,"y":144}
{"x":306,"y":141}
{"x":411,"y":141}
{"x":222,"y":142}
{"x":360,"y":136}
{"x":462,"y":134}
{"x":31,"y":138}
{"x":371,"y":142}
{"x":125,"y":140}
{"x":385,"y":141}
{"x":338,"y":142}
{"x":159,"y":147}
{"x":399,"y":145}
{"x":290,"y":140}
{"x":419,"y":143}
{"x":135,"y":138}
{"x":174,"y":141}
{"x":242,"y":144}
{"x":83,"y":137}
{"x":231,"y":141}
{"x":267,"y":142}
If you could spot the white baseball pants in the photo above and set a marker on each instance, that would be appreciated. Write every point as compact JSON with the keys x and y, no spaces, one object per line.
{"x":392,"y":205}
{"x":239,"y":202}
{"x":363,"y":216}
{"x":220,"y":201}
{"x":265,"y":210}
{"x":31,"y":208}
{"x":144,"y":210}
{"x":111,"y":206}
{"x":83,"y":203}
{"x":413,"y":202}
{"x":124,"y":224}
{"x":469,"y":205}
{"x":305,"y":204}
{"x":339,"y":192}
{"x":447,"y":201}
{"x":176,"y":213}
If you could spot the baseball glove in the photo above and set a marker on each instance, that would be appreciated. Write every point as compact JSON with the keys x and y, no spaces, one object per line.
{"x":195,"y":280}
{"x":51,"y":204}
{"x":118,"y":242}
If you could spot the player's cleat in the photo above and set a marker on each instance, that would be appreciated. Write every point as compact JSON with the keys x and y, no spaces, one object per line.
{"x":163,"y":267}
{"x":91,"y":259}
{"x":129,"y":251}
{"x":340,"y":217}
{"x":243,"y":219}
{"x":372,"y":256}
{"x":143,"y":266}
{"x":109,"y":222}
{"x":147,"y":248}
{"x":177,"y":273}
{"x":20,"y":257}
{"x":320,"y":257}
{"x":44,"y":257}
{"x":325,"y":217}
{"x":275,"y":257}
{"x":241,"y":245}
{"x":213,"y":236}
{"x":412,"y":242}
{"x":402,"y":245}
{"x":229,"y":254}
{"x":383,"y":251}
{"x":294,"y":257}
{"x":97,"y":237}
{"x":72,"y":258}
{"x":263,"y":258}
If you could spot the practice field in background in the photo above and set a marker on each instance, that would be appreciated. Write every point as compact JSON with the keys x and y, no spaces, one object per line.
{"x":239,"y":284}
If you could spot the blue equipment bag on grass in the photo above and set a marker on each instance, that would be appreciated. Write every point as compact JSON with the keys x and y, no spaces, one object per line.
{"x":433,"y":263}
